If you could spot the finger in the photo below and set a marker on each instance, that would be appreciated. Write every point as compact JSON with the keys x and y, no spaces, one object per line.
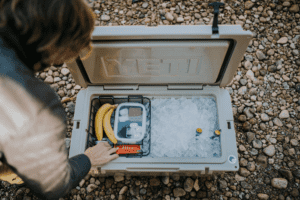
{"x":113,"y":150}
{"x":112,"y":157}
{"x":107,"y":144}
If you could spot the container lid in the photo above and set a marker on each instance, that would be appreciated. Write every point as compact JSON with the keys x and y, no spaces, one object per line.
{"x":162,"y":55}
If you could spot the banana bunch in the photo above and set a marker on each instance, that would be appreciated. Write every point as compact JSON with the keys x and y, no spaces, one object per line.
{"x":102,"y":121}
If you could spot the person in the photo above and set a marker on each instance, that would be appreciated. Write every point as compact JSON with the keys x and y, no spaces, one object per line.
{"x":35,"y":35}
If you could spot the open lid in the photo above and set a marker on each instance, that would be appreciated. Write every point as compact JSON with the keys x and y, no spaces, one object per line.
{"x":162,"y":55}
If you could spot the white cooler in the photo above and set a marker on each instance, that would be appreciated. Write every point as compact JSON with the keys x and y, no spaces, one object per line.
{"x":136,"y":63}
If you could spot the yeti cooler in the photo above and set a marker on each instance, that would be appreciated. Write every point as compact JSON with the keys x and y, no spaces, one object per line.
{"x":141,"y":64}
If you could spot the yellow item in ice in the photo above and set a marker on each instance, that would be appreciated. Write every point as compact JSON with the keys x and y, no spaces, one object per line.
{"x":199,"y":130}
{"x":217,"y":132}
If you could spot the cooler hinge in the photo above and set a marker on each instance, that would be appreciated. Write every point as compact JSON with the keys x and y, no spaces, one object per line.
{"x":185,"y":87}
{"x":121,"y":87}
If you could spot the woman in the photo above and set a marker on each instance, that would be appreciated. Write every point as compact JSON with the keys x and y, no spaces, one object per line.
{"x":34,"y":35}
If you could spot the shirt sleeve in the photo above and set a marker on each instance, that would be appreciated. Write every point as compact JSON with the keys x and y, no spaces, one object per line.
{"x":32,"y":141}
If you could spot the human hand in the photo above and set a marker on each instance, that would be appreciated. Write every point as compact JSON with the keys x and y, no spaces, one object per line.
{"x":100,"y":154}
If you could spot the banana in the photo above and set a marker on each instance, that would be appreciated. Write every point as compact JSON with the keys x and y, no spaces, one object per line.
{"x":99,"y":119}
{"x":107,"y":125}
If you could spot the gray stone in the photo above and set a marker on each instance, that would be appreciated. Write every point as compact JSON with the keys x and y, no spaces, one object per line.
{"x":105,"y":17}
{"x":91,"y":187}
{"x":279,"y":183}
{"x":188,"y":185}
{"x":154,"y":182}
{"x":294,"y":142}
{"x":260,"y":55}
{"x":253,"y":152}
{"x":249,"y":5}
{"x":277,"y":122}
{"x":282,"y":40}
{"x":294,"y":8}
{"x":169,"y":16}
{"x":269,"y":151}
{"x":286,"y":173}
{"x":263,"y":196}
{"x":145,"y":5}
{"x":143,"y":191}
{"x":284,"y":114}
{"x":196,"y":185}
{"x":245,"y":185}
{"x":179,"y":19}
{"x":257,"y":144}
{"x":244,"y":172}
{"x":43,"y":75}
{"x":179,"y":192}
{"x":123,"y":190}
{"x":49,"y":79}
{"x":71,"y":107}
{"x":119,"y":178}
{"x":223,"y":184}
{"x":250,"y":136}
{"x":265,"y":117}
{"x":65,"y":71}
{"x":166,"y":180}
{"x":243,"y":81}
{"x":242,"y":90}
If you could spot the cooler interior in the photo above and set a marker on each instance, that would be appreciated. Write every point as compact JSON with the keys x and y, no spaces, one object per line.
{"x":171,"y":126}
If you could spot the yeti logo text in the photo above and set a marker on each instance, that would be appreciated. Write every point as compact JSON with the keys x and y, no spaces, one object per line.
{"x":160,"y":67}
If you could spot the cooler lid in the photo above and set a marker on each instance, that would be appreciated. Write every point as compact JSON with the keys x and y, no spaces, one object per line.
{"x":162,"y":55}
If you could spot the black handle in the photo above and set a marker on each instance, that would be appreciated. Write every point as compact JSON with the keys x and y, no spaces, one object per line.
{"x":216,"y":5}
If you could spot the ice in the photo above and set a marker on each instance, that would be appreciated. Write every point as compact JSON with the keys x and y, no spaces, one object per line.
{"x":174,"y":123}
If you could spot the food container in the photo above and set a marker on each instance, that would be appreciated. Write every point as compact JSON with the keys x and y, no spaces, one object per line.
{"x":135,"y":63}
{"x":130,"y":122}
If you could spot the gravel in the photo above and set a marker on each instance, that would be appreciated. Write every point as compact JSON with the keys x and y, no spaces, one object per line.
{"x":265,"y":99}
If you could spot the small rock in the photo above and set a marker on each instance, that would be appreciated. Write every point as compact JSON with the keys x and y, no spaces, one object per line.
{"x":81,"y":183}
{"x":257,"y":144}
{"x":284,"y":114}
{"x":282,"y":40}
{"x":65,"y":71}
{"x":143,"y":191}
{"x":179,"y":19}
{"x":134,"y":191}
{"x":188,"y":185}
{"x":277,"y":122}
{"x":61,"y":93}
{"x":243,"y":81}
{"x":91,"y":187}
{"x":246,"y":126}
{"x":105,"y":18}
{"x":242,"y":90}
{"x":242,"y":118}
{"x":154,"y":182}
{"x":49,"y":79}
{"x":166,"y":180}
{"x":271,"y":52}
{"x":294,"y":8}
{"x":269,"y":151}
{"x":244,"y":172}
{"x":260,"y":55}
{"x":77,"y":87}
{"x":208,"y":184}
{"x":295,"y":192}
{"x":145,"y":5}
{"x":265,"y":117}
{"x":286,"y":173}
{"x":169,"y":16}
{"x":108,"y":183}
{"x":239,"y":178}
{"x":43,"y":75}
{"x":179,"y":192}
{"x":123,"y":190}
{"x":279,"y":183}
{"x":249,"y":5}
{"x":223,"y":184}
{"x":294,"y":142}
{"x":250,"y":136}
{"x":251,"y":166}
{"x":119,"y":178}
{"x":71,"y":107}
{"x":196,"y":185}
{"x":263,"y":196}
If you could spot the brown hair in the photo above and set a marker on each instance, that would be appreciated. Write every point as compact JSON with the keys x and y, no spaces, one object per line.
{"x":58,"y":29}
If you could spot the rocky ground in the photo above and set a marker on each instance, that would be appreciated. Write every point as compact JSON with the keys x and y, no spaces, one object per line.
{"x":264,"y":93}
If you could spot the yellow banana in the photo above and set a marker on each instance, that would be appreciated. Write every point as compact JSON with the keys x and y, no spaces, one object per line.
{"x":107,"y":125}
{"x":99,"y":119}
